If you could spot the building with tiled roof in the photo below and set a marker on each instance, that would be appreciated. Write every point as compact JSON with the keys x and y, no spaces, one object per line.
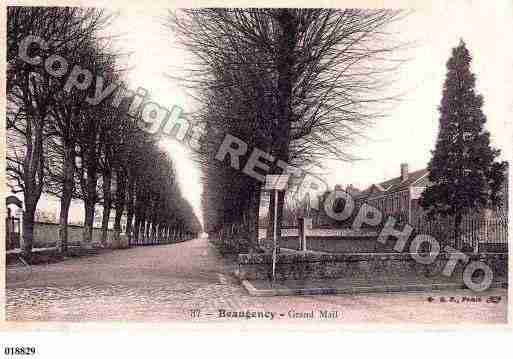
{"x":398,"y":196}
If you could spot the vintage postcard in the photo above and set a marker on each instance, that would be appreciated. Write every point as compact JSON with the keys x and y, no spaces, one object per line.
{"x":284,"y":166}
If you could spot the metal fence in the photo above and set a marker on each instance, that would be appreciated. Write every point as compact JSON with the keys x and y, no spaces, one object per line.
{"x":476,"y":234}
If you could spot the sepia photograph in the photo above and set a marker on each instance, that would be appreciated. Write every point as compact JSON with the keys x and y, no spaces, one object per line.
{"x":312,"y":167}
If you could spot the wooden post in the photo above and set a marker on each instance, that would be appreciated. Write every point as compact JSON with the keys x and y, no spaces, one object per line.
{"x":275,"y":184}
{"x":476,"y":235}
{"x":301,"y":233}
{"x":20,"y":226}
{"x":307,"y":225}
{"x":275,"y":235}
{"x":304,"y":225}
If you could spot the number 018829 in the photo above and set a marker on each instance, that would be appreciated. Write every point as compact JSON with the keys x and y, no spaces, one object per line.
{"x":19,"y":350}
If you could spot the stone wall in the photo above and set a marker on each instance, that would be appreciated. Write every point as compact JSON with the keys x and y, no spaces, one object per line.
{"x":346,"y":244}
{"x":47,"y":235}
{"x":285,"y":232}
{"x":306,"y":266}
{"x":330,"y":240}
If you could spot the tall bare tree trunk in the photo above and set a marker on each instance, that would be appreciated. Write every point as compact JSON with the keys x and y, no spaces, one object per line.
{"x":253,"y":218}
{"x":87,"y":233}
{"x":63,"y":223}
{"x":89,"y":203}
{"x":284,"y":64}
{"x":130,"y":211}
{"x":140,"y":215}
{"x":107,"y":203}
{"x":28,"y":230}
{"x":89,"y":180}
{"x":155,"y":232}
{"x":120,"y":204}
{"x":33,"y":179}
{"x":136,"y":229}
{"x":146,"y":229}
{"x":67,"y":193}
{"x":154,"y":221}
{"x":142,"y":230}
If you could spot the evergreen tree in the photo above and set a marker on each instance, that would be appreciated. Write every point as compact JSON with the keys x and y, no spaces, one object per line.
{"x":463,"y":169}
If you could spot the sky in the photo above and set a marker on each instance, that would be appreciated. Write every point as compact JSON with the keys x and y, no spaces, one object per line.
{"x":409,"y":131}
{"x":151,"y":54}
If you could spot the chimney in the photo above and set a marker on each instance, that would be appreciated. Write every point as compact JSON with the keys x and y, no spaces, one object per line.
{"x":404,"y":171}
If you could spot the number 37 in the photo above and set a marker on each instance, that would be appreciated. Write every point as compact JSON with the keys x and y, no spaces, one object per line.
{"x":195,"y":313}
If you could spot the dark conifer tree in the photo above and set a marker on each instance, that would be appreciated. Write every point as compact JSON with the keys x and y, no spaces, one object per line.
{"x":465,"y":174}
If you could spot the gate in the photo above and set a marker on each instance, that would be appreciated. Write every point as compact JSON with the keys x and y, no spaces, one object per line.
{"x":12,"y":233}
{"x":13,"y":223}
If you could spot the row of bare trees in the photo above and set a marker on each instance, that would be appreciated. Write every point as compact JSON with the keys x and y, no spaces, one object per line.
{"x":298,"y":84}
{"x":62,"y":143}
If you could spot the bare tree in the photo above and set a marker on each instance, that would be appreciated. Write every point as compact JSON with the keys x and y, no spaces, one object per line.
{"x":301,"y":84}
{"x":31,"y":94}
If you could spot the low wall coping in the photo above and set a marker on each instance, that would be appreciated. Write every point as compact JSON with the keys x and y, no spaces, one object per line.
{"x":328,"y":233}
{"x":69,"y":225}
{"x":309,"y":257}
{"x":341,"y":233}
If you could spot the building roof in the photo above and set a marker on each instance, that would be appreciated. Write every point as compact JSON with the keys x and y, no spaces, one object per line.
{"x":396,"y":184}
